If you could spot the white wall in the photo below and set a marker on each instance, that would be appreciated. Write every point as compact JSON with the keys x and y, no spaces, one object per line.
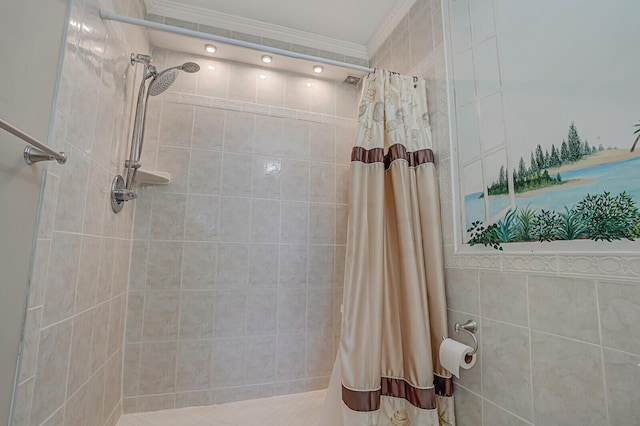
{"x":31,"y":35}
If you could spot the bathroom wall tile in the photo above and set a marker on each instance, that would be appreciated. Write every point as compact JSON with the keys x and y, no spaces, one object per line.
{"x":323,"y":97}
{"x":267,"y":177}
{"x":494,"y":415}
{"x":463,"y":290}
{"x":39,"y":273}
{"x":565,"y":306}
{"x":236,"y":175}
{"x":213,"y":82}
{"x":343,"y":181}
{"x":270,"y":90}
{"x":97,"y":193}
{"x":193,"y":399}
{"x":261,"y":312}
{"x":176,"y":124}
{"x":105,"y":270}
{"x":157,"y":372}
{"x":506,"y":372}
{"x":293,"y":265}
{"x":345,"y":139}
{"x":297,"y":94}
{"x":62,"y":275}
{"x":322,"y":182}
{"x":239,"y":131}
{"x":87,"y":273}
{"x":208,"y":129}
{"x":290,"y":357}
{"x":30,"y":344}
{"x":265,"y":221}
{"x":165,"y":260}
{"x":161,"y":316}
{"x":346,"y":100}
{"x":113,"y":385}
{"x":269,"y":134}
{"x":260,"y":359}
{"x":193,"y":370}
{"x":340,"y":254}
{"x":622,"y":376}
{"x":196,"y":315}
{"x":342,"y":222}
{"x":468,"y":408}
{"x":295,"y":180}
{"x":227,"y":362}
{"x":294,"y":222}
{"x":321,"y":266}
{"x":80,"y":361}
{"x":167,"y":219}
{"x":75,"y":412}
{"x":320,"y":354}
{"x":292,"y":310}
{"x":296,"y":143}
{"x":229,"y":313}
{"x":503,"y":297}
{"x":156,"y":402}
{"x":138,"y":270}
{"x":319,"y":309}
{"x":100,"y":338}
{"x":322,"y":223}
{"x":233,"y":270}
{"x":175,"y":161}
{"x":202,"y":216}
{"x":322,"y":142}
{"x":471,"y":378}
{"x":242,"y":86}
{"x":199,"y":264}
{"x":142,"y":216}
{"x":69,"y":214}
{"x":56,"y":419}
{"x":131,"y":370}
{"x":263,"y":266}
{"x":53,"y":359}
{"x":205,"y":172}
{"x":135,"y":309}
{"x":235,"y":219}
{"x":563,"y":372}
{"x":619,"y":315}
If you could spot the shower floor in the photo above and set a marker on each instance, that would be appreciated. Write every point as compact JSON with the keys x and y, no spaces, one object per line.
{"x":287,"y":410}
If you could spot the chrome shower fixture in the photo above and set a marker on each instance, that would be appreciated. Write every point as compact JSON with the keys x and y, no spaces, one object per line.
{"x":158,"y":82}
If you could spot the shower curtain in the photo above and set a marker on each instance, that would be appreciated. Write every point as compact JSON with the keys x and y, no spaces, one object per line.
{"x":387,"y":371}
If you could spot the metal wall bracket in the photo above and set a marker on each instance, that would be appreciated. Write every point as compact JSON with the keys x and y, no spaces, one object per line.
{"x":120,"y":194}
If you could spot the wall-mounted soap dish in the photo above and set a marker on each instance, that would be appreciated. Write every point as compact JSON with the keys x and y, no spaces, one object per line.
{"x":147,"y":177}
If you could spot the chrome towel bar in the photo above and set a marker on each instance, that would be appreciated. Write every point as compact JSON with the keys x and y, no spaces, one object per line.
{"x":37,"y":151}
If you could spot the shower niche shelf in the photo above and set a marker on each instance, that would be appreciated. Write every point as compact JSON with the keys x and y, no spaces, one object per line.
{"x":148,"y":177}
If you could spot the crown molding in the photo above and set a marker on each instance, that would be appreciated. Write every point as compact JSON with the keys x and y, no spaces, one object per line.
{"x":171,"y":9}
{"x":388,"y":25}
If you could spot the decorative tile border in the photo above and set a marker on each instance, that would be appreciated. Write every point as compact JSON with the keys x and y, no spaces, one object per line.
{"x":261,"y":109}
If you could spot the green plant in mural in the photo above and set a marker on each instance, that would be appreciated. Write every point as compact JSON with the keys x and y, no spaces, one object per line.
{"x":634,"y":232}
{"x":607,"y":217}
{"x":571,"y":226}
{"x":523,"y":231}
{"x":505,"y":227}
{"x":486,"y":236}
{"x":544,"y":225}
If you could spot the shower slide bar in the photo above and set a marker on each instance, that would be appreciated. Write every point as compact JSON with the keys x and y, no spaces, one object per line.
{"x":37,"y":151}
{"x":221,"y":39}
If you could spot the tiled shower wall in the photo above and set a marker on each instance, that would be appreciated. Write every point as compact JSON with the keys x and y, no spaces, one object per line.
{"x":558,"y":337}
{"x":237,"y":264}
{"x":71,"y":365}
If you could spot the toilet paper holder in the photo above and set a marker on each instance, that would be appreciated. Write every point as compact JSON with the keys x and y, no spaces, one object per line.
{"x":470,"y":327}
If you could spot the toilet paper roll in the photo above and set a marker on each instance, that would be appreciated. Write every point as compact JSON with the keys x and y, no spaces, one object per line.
{"x":453,"y":354}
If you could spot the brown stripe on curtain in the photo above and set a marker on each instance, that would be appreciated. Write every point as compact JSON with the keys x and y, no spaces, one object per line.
{"x":398,"y":388}
{"x":396,"y":152}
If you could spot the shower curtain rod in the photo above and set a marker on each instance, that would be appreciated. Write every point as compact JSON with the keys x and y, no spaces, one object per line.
{"x":220,"y":39}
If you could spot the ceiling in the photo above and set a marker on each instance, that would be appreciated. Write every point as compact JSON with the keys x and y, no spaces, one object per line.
{"x":353,"y":21}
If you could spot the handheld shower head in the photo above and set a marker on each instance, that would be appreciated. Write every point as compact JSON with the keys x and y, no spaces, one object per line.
{"x":163,"y":80}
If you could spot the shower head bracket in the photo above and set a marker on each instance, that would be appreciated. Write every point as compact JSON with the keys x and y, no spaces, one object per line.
{"x":120,"y":194}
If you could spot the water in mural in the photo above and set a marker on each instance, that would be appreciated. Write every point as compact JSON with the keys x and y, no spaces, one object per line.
{"x":545,"y":116}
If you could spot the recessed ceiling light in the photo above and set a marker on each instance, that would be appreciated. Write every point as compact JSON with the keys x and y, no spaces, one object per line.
{"x":211,"y":67}
{"x":267,"y":59}
{"x":318,"y":69}
{"x":210,"y":48}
